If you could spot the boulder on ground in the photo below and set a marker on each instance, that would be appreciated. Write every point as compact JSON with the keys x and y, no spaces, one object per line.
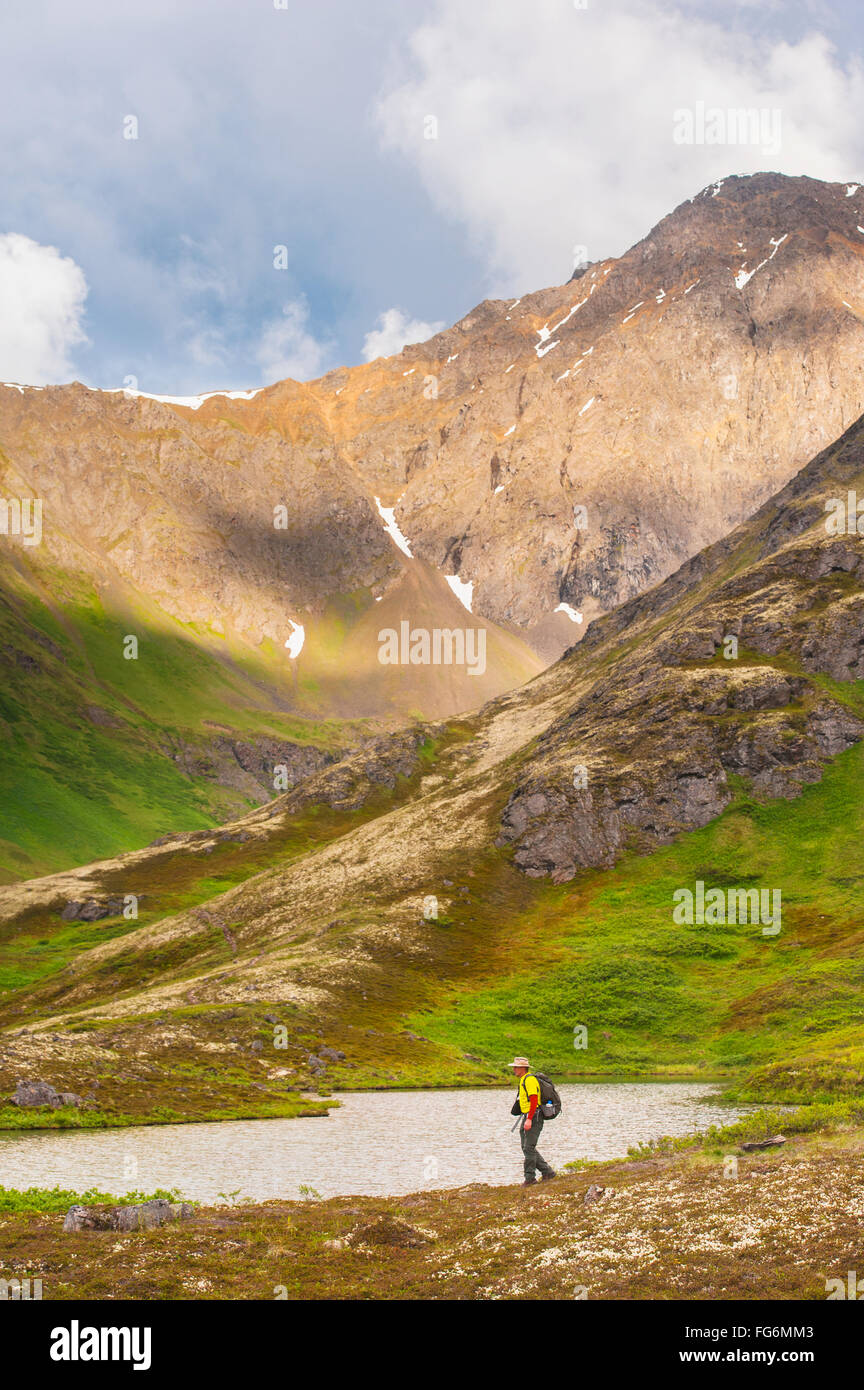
{"x":142,"y":1217}
{"x":92,"y":910}
{"x":149,"y":1214}
{"x":80,"y":1218}
{"x":40,"y":1095}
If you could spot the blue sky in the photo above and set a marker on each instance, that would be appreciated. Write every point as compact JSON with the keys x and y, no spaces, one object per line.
{"x":308,"y":127}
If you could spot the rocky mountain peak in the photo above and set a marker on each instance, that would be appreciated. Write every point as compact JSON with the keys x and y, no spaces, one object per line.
{"x":554,"y":455}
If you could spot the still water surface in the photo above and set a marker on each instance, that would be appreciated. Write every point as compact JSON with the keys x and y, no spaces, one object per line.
{"x":376,"y":1143}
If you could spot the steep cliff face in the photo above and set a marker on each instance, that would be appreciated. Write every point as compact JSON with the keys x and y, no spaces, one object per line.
{"x":570,"y":448}
{"x":667,"y":394}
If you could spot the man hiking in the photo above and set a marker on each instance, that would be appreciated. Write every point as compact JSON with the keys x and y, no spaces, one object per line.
{"x":527,"y":1104}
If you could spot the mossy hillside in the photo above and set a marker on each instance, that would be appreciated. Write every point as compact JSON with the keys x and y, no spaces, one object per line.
{"x":517,"y":964}
{"x":197,"y":1062}
{"x":86,"y":766}
{"x":39,"y":945}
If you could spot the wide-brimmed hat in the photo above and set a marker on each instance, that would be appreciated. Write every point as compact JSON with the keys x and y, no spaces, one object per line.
{"x":519,"y":1062}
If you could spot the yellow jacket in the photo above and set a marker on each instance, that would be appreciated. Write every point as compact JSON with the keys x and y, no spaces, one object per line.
{"x":528,"y":1086}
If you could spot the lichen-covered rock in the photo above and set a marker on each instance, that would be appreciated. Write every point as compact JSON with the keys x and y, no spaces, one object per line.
{"x":143,"y":1216}
{"x":92,"y":910}
{"x":41,"y":1095}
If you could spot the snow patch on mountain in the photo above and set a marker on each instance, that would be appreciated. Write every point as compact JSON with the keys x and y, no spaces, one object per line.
{"x":462,"y":588}
{"x":388,"y":516}
{"x":569,"y":314}
{"x":572,"y":614}
{"x":743,"y":275}
{"x":191,"y":402}
{"x":296,"y":640}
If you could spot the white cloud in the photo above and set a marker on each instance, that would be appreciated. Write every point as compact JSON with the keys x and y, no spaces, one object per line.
{"x":176,"y":229}
{"x":287,"y":348}
{"x":42,"y":296}
{"x":396,"y":330}
{"x":205,"y":345}
{"x":554,"y":126}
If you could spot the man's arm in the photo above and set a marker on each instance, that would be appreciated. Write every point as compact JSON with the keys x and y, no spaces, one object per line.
{"x":533,"y":1101}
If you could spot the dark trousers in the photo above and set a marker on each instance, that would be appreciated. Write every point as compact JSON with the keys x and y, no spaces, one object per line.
{"x":529,"y":1138}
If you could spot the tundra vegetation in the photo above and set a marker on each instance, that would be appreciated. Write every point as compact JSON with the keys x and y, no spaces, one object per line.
{"x":676,"y":1220}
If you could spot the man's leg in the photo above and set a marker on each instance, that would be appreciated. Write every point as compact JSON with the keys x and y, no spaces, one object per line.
{"x":529,"y":1149}
{"x":545,"y":1169}
{"x":537,"y":1159}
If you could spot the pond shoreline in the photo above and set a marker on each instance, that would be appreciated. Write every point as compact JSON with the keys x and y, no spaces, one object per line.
{"x":374,"y":1142}
{"x":309,"y":1106}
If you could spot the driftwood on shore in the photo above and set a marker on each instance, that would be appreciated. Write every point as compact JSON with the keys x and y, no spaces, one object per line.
{"x":755,"y":1144}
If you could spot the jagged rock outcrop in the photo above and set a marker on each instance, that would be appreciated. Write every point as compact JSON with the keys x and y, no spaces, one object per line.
{"x":654,"y":743}
{"x":92,"y":910}
{"x":350,"y":782}
{"x":256,"y":767}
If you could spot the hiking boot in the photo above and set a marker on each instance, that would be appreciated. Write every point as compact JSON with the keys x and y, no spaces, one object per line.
{"x":529,"y":1182}
{"x":546,"y":1177}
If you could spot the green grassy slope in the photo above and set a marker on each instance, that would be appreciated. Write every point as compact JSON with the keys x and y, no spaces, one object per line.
{"x":519,"y":964}
{"x":87,"y":736}
{"x":41,"y":945}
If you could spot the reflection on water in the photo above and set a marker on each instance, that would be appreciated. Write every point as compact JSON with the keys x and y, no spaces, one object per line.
{"x":376,"y":1143}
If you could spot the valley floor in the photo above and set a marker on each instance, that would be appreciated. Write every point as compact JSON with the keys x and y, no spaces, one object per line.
{"x":667,"y":1226}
